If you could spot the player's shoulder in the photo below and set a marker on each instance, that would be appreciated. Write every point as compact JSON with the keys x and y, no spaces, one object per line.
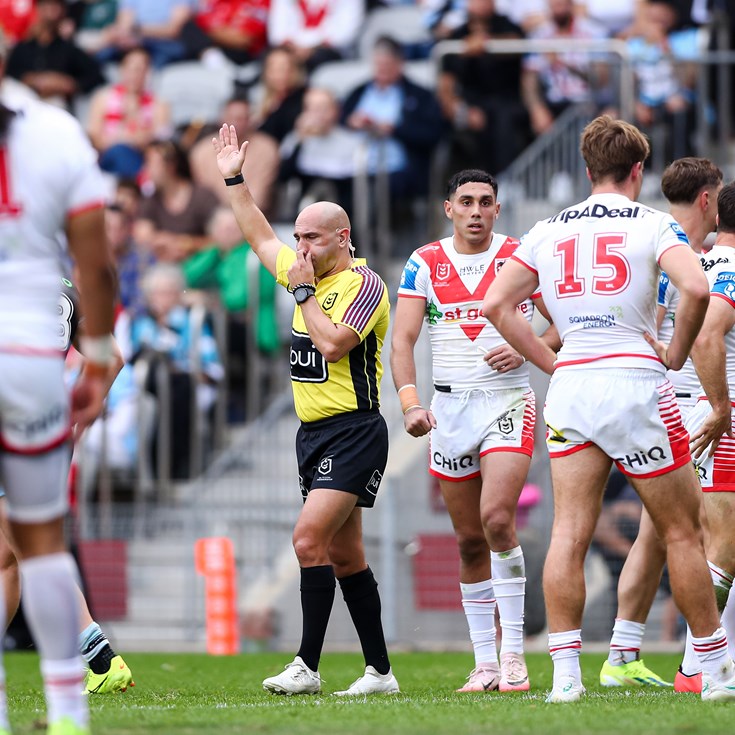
{"x":429,"y":252}
{"x":36,"y":113}
{"x":506,"y":244}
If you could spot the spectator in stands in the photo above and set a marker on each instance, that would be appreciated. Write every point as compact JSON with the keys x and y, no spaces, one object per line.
{"x":319,"y":152}
{"x":131,"y":260}
{"x":665,"y":77}
{"x":480,"y":93}
{"x":166,"y":331}
{"x":55,"y":68}
{"x":128,"y":197}
{"x":262,"y":163}
{"x":316,"y":30}
{"x":227,"y":29}
{"x":552,"y":82}
{"x":231,"y":269}
{"x":444,"y":16}
{"x":94,"y":20}
{"x":154,"y":24}
{"x":280,"y":96}
{"x":125,"y":117}
{"x":172,"y":222}
{"x":16,"y":19}
{"x":619,"y":19}
{"x":400,"y":121}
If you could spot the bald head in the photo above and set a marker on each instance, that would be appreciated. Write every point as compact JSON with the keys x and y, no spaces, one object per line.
{"x":325,"y":214}
{"x":323,"y":230}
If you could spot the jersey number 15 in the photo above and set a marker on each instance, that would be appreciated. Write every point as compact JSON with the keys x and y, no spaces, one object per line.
{"x":609,"y":268}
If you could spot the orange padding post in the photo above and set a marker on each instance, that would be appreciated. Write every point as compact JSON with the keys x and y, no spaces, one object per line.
{"x":215,"y":560}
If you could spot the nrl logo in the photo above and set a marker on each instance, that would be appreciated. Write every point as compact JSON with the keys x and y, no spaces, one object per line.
{"x":328,"y":303}
{"x":325,"y":466}
{"x":442,"y":271}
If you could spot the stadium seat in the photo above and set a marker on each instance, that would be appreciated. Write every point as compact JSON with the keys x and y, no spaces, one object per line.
{"x":340,"y":77}
{"x":194,"y":91}
{"x":422,"y":72}
{"x":403,"y":23}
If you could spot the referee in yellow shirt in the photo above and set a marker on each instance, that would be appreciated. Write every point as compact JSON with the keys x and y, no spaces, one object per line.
{"x":340,"y":321}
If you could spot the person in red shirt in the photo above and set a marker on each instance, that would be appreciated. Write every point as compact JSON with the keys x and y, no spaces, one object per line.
{"x":235,"y":28}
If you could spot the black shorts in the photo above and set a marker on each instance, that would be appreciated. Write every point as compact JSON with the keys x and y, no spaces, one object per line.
{"x":346,"y":452}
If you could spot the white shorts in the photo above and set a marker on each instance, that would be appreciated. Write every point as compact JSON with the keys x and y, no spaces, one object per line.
{"x":34,"y":403}
{"x":630,"y":414}
{"x":476,"y":422}
{"x":716,"y":474}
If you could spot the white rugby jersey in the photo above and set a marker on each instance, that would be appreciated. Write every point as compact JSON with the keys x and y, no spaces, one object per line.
{"x":597,"y":264}
{"x":453,"y":285}
{"x":721,"y":277}
{"x":48,"y":172}
{"x":686,"y":380}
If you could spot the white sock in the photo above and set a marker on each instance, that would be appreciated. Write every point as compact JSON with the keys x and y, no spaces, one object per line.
{"x":712,"y":653}
{"x":723,"y":584}
{"x":728,"y":623}
{"x":509,"y":580}
{"x":51,"y":606}
{"x":478,"y":601}
{"x":690,"y":661}
{"x":63,"y":682}
{"x":625,"y":644}
{"x":565,"y":648}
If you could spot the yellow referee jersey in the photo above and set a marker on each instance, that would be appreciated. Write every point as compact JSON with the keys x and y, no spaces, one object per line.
{"x":357,"y":298}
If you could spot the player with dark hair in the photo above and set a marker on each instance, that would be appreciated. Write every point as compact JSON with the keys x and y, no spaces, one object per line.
{"x":481,"y":417}
{"x":340,"y":321}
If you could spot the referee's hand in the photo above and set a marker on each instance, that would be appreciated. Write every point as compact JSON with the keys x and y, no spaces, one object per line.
{"x":419,"y":421}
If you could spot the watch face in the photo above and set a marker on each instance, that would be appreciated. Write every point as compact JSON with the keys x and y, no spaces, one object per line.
{"x":301,"y":294}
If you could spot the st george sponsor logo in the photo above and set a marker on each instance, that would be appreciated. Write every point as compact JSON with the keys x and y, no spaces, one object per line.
{"x":637,"y":460}
{"x":473,"y":313}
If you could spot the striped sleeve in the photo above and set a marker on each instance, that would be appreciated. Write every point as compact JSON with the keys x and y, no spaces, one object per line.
{"x":363,"y":302}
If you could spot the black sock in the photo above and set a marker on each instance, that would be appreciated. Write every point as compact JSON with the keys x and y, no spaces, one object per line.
{"x":317,"y":597}
{"x":363,"y":601}
{"x":100,"y":664}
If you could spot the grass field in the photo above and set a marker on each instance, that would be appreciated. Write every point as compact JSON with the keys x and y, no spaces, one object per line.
{"x":185,"y":694}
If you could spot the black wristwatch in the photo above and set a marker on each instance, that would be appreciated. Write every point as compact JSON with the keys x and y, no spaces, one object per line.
{"x":303,"y":291}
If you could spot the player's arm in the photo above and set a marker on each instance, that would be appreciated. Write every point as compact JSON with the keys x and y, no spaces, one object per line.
{"x":255,"y":227}
{"x":97,"y":286}
{"x":407,"y":323}
{"x":709,"y":357}
{"x":513,"y":285}
{"x":550,"y":335}
{"x":685,"y":271}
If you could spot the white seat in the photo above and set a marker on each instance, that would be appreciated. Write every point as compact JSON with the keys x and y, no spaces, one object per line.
{"x":340,"y":77}
{"x":194,"y":91}
{"x":422,"y":72}
{"x":403,"y":23}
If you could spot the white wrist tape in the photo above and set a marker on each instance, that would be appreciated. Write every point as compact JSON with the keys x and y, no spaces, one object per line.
{"x":98,"y":349}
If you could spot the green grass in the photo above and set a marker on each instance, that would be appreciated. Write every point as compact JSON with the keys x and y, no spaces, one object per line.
{"x":186,"y":694}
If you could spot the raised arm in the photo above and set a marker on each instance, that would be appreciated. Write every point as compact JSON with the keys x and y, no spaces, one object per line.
{"x":255,"y":227}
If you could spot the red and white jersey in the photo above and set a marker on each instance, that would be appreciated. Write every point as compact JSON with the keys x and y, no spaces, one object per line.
{"x":721,"y":277}
{"x":453,"y":285}
{"x":686,"y":380}
{"x":48,"y":173}
{"x":597,"y":264}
